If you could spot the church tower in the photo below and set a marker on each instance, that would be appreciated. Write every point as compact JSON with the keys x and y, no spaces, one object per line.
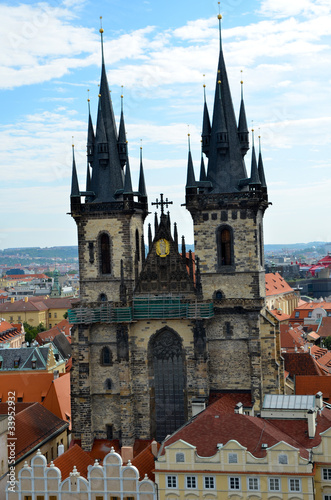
{"x":156,"y":335}
{"x":227,"y":208}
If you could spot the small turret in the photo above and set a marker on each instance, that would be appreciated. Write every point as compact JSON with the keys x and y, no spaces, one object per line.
{"x":261,"y":168}
{"x":121,"y":142}
{"x":74,"y":179}
{"x":90,"y":137}
{"x":127,"y":192}
{"x":243,"y":133}
{"x":102,"y":143}
{"x":203,"y":176}
{"x":206,"y":127}
{"x":190,"y":179}
{"x":254,"y":182}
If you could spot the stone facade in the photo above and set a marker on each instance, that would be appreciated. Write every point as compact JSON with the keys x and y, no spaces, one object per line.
{"x":153,"y":333}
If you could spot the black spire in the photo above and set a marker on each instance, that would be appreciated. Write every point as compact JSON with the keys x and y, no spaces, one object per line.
{"x":142,"y":185}
{"x":90,"y":137}
{"x":254,"y":179}
{"x":242,"y":125}
{"x":176,"y":235}
{"x":225,"y":167}
{"x":261,"y":168}
{"x":190,"y":179}
{"x":183,"y":250}
{"x":127,"y":182}
{"x":150,"y":239}
{"x":107,"y":175}
{"x":206,"y":128}
{"x":74,"y":179}
{"x":121,"y":143}
{"x":203,"y":176}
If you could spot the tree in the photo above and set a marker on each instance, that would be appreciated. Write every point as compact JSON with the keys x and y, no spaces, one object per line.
{"x":32,"y":331}
{"x":327,"y":343}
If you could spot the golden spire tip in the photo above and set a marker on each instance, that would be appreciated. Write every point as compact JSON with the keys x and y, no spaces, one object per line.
{"x":101,"y":29}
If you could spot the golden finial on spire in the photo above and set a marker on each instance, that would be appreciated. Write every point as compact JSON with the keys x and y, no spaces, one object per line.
{"x":72,"y":137}
{"x":141,"y":143}
{"x":219,"y":11}
{"x":122,"y":91}
{"x":101,"y":28}
{"x":99,"y":95}
{"x":88,"y":95}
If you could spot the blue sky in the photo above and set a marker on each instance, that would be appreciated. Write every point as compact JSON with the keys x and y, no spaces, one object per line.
{"x":159,"y":52}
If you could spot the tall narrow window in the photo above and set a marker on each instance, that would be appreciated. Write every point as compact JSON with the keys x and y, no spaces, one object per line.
{"x":105,"y":254}
{"x":106,"y":356}
{"x":137,"y":245}
{"x":224,"y":246}
{"x":261,"y":245}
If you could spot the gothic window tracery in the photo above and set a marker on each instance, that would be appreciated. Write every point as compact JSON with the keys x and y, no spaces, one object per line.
{"x":106,"y":356}
{"x":104,"y":245}
{"x":224,"y":240}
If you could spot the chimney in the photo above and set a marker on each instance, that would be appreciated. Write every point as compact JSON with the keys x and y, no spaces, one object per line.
{"x":239,"y":408}
{"x":127,"y":453}
{"x":154,"y":447}
{"x":60,"y":449}
{"x":311,"y":417}
{"x":26,"y":299}
{"x":319,"y":400}
{"x":12,"y":299}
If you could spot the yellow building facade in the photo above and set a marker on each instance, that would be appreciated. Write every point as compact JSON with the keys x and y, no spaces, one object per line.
{"x":233,"y":472}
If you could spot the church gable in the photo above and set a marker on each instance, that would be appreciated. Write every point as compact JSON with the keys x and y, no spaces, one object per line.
{"x":164,"y":270}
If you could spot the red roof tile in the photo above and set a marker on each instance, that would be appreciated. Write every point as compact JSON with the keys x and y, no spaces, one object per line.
{"x":33,"y":426}
{"x":34,"y":386}
{"x":291,"y":338}
{"x":145,"y":462}
{"x":75,"y":456}
{"x":57,"y":399}
{"x":311,"y":384}
{"x":276,"y":285}
{"x":301,"y":363}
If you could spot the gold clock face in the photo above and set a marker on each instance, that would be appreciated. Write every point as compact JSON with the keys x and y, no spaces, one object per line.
{"x":162,"y":247}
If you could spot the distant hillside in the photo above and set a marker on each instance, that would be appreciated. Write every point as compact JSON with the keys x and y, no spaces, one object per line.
{"x":318,"y":246}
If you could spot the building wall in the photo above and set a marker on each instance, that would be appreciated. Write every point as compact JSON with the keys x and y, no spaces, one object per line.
{"x":222,"y":470}
{"x":104,"y":481}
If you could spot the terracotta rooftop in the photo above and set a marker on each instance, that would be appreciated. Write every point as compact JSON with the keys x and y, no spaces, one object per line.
{"x":212,"y":426}
{"x":279,"y":315}
{"x":34,"y":426}
{"x":145,"y":462}
{"x":301,"y":363}
{"x":75,"y":456}
{"x":32,"y":387}
{"x":22,"y":305}
{"x":8,"y":331}
{"x":57,"y":399}
{"x":324,"y":330}
{"x":311,"y":384}
{"x":227,"y":401}
{"x":275,"y":285}
{"x":291,"y":338}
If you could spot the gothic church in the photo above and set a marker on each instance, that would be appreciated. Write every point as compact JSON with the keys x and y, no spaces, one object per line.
{"x":155,"y":334}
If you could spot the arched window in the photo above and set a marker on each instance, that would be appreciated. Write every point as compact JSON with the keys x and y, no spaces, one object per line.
{"x":108,"y":384}
{"x":104,"y":243}
{"x":102,"y":297}
{"x":224,"y":246}
{"x":106,"y":356}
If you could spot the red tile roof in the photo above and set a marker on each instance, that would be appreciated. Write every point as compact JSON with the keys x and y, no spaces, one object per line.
{"x":63,"y":327}
{"x":301,"y":363}
{"x":324,"y":330}
{"x":57,"y":399}
{"x":291,"y":338}
{"x":212,"y":426}
{"x":275,"y":285}
{"x":279,"y":315}
{"x":311,"y":384}
{"x":75,"y":456}
{"x":145,"y":462}
{"x":227,"y":401}
{"x":33,"y":386}
{"x":34,"y":425}
{"x":22,"y":305}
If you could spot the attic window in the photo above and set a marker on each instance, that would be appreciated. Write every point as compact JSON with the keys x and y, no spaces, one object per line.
{"x":297,"y":314}
{"x":310,"y":313}
{"x":33,"y":364}
{"x":16,"y":362}
{"x":282,"y":459}
{"x":233,"y":458}
{"x":180,"y":457}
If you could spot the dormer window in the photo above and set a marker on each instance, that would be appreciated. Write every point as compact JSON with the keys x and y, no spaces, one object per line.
{"x":16,"y":362}
{"x":34,"y":364}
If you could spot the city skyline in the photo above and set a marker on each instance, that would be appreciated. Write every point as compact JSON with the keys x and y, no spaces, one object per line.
{"x":52,"y":55}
